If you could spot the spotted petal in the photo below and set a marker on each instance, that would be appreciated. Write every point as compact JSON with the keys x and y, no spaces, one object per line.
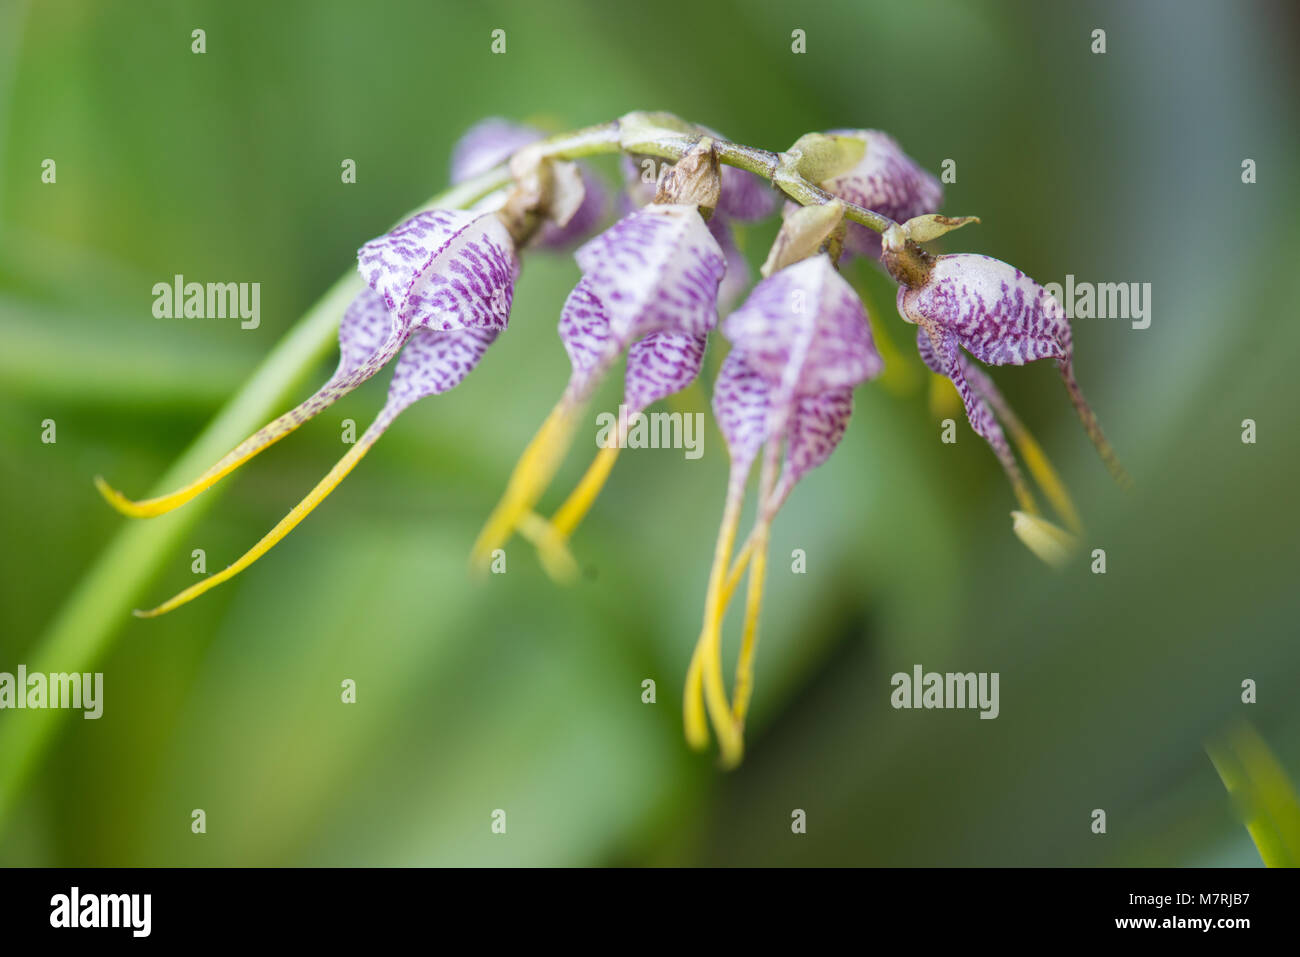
{"x":999,"y":315}
{"x":434,"y":362}
{"x":741,"y":402}
{"x":816,"y":427}
{"x":657,"y":269}
{"x":659,"y":365}
{"x":945,"y":358}
{"x":584,"y":330}
{"x":444,"y":269}
{"x":365,"y":325}
{"x":805,"y":329}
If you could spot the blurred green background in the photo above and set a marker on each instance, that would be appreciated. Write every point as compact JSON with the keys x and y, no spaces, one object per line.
{"x":514,"y":693}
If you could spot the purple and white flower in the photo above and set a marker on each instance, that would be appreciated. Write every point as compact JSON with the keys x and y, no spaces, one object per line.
{"x":440,"y":289}
{"x":997,"y":314}
{"x":649,"y":288}
{"x":800,"y":344}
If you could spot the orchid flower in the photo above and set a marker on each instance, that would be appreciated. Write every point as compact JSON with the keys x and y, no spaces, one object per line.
{"x":801,"y":342}
{"x":659,"y":364}
{"x":441,"y":286}
{"x":649,"y":288}
{"x":1000,"y":316}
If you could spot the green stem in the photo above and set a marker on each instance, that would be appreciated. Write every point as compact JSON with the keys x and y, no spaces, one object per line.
{"x":779,"y":168}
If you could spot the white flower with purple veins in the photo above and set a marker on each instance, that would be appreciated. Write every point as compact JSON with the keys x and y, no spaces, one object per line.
{"x":444,"y":269}
{"x":885,"y":180}
{"x":441,"y":286}
{"x":491,"y":142}
{"x":649,"y":288}
{"x":1002,"y":317}
{"x":801,"y":343}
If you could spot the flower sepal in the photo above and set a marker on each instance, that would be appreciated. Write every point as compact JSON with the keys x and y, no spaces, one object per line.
{"x":805,"y":232}
{"x":818,"y":157}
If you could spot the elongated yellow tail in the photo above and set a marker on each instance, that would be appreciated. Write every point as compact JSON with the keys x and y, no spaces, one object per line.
{"x":259,"y":441}
{"x":579,"y":503}
{"x":552,"y":549}
{"x":1040,"y":467}
{"x":705,"y":689}
{"x":1045,"y":475}
{"x":551,"y":538}
{"x":744,"y":686}
{"x":1051,"y":545}
{"x":532,"y":474}
{"x":283,"y":528}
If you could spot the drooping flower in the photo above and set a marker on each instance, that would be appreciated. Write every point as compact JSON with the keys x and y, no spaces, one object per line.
{"x":1000,"y":316}
{"x":440,"y":290}
{"x":649,"y":288}
{"x":801,"y":343}
{"x":491,"y":142}
{"x":886,"y":180}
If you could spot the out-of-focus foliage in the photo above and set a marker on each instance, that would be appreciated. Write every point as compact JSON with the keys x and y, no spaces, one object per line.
{"x":515,"y":694}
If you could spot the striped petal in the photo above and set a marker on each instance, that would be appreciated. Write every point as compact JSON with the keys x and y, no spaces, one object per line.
{"x":365,"y":325}
{"x":999,"y":315}
{"x":805,"y":329}
{"x":741,"y":402}
{"x":945,"y":358}
{"x":816,"y":427}
{"x":659,"y":365}
{"x":444,"y":269}
{"x":657,"y":269}
{"x":434,"y":362}
{"x":584,"y":330}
